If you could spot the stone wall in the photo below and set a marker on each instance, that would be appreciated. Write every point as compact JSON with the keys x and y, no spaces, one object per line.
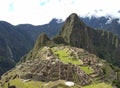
{"x":52,"y":70}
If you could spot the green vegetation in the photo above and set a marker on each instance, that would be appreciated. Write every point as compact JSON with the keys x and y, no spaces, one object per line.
{"x":58,"y":40}
{"x":108,"y":71}
{"x":87,"y":69}
{"x":37,"y":84}
{"x":116,"y":83}
{"x":69,"y":57}
{"x":99,"y":85}
{"x":5,"y":64}
{"x":21,"y":84}
{"x":56,"y":84}
{"x":65,"y":57}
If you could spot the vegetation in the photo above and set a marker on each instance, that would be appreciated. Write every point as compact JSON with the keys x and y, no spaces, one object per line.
{"x":36,"y":84}
{"x":58,"y":40}
{"x":116,"y":83}
{"x":21,"y":84}
{"x":66,"y":58}
{"x":55,"y":84}
{"x":99,"y":85}
{"x":87,"y":69}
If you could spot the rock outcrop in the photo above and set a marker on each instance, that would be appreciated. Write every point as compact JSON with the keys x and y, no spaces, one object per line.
{"x":41,"y":41}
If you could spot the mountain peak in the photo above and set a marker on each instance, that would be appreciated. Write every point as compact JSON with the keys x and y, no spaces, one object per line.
{"x":42,"y":40}
{"x":72,"y":25}
{"x":74,"y":19}
{"x":73,"y":15}
{"x":55,"y":21}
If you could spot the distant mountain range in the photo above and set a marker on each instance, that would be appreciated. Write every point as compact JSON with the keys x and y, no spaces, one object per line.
{"x":104,"y":23}
{"x":15,"y":41}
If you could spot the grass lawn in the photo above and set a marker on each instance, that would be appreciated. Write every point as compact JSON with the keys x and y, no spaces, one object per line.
{"x":20,"y":84}
{"x":87,"y":69}
{"x":99,"y":85}
{"x":36,"y":84}
{"x":66,"y":58}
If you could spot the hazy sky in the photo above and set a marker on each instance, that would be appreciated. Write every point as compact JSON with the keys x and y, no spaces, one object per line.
{"x":39,"y":12}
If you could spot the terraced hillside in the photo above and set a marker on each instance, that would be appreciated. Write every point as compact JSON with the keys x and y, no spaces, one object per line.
{"x":56,"y":66}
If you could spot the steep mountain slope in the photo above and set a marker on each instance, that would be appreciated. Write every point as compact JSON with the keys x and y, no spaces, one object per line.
{"x":57,"y":66}
{"x":15,"y":41}
{"x":12,"y":46}
{"x":102,"y":43}
{"x":106,"y":23}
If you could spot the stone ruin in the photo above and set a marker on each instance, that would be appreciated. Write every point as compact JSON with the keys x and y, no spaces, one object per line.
{"x":48,"y":67}
{"x":52,"y":70}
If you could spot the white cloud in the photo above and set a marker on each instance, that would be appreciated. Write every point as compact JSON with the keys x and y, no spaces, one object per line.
{"x":42,"y":11}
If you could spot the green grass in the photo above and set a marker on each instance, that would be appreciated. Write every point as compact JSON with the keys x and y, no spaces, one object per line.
{"x":66,"y":58}
{"x":20,"y":84}
{"x":87,"y":69}
{"x":99,"y":85}
{"x":37,"y":84}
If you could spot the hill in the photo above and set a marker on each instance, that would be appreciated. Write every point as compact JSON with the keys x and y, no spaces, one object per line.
{"x":56,"y":66}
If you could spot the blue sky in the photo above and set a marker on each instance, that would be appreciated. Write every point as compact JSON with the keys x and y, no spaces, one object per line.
{"x":39,"y":12}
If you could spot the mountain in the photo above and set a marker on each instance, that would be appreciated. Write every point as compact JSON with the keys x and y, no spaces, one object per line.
{"x":71,"y":63}
{"x":58,"y":66}
{"x":51,"y":29}
{"x":12,"y":46}
{"x":27,"y":34}
{"x":16,"y":41}
{"x":106,"y":23}
{"x":102,"y":43}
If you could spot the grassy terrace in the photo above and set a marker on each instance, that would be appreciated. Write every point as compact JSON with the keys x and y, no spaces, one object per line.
{"x":36,"y":84}
{"x":99,"y":85}
{"x":56,"y":84}
{"x":66,"y":58}
{"x":87,"y":69}
{"x":21,"y":84}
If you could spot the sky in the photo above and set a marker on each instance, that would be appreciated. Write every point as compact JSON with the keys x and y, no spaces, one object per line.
{"x":38,"y":12}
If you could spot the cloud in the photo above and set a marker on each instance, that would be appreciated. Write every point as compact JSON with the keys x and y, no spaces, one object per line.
{"x":43,"y":2}
{"x":11,"y":6}
{"x":42,"y":11}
